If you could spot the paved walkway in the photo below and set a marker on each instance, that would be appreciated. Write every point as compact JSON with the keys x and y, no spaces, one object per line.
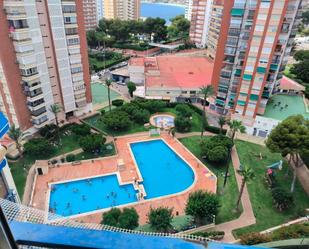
{"x":247,"y":217}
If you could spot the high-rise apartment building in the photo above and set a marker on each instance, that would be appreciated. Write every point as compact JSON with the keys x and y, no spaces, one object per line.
{"x":122,"y":9}
{"x":188,"y":9}
{"x":100,"y":9}
{"x":250,"y":42}
{"x":43,"y":61}
{"x":200,"y":20}
{"x":90,"y":14}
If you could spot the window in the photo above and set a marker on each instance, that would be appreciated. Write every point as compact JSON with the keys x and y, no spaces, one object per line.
{"x":69,"y":19}
{"x":259,"y":27}
{"x":266,"y":50}
{"x":76,"y":69}
{"x":73,"y":41}
{"x":29,"y":71}
{"x":71,"y":31}
{"x":68,"y":9}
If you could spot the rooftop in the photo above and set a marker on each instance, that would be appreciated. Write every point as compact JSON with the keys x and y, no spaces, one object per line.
{"x":289,"y":105}
{"x":289,"y":84}
{"x":176,"y":71}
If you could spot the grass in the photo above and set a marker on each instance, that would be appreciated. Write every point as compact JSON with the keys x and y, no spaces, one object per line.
{"x":105,"y":152}
{"x":266,"y":215}
{"x":229,"y":196}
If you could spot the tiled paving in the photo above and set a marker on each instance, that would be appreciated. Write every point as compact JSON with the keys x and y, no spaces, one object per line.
{"x":101,"y":166}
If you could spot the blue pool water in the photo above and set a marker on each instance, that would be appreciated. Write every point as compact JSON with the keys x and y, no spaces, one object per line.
{"x":163,"y":172}
{"x":164,"y":121}
{"x":161,"y":10}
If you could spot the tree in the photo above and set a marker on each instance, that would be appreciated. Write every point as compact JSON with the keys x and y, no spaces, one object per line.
{"x":290,"y":138}
{"x":247,"y":176}
{"x":91,"y":38}
{"x":301,"y":70}
{"x":203,"y":206}
{"x":17,"y":136}
{"x":140,"y":116}
{"x":55,"y":109}
{"x":301,"y":55}
{"x":111,"y":217}
{"x":117,"y":120}
{"x":48,"y":131}
{"x":117,"y":102}
{"x":39,"y":147}
{"x":282,"y":199}
{"x":182,"y":124}
{"x":160,"y":219}
{"x":92,"y":142}
{"x":81,"y":129}
{"x":222,"y":121}
{"x":179,"y":27}
{"x":236,"y":126}
{"x":218,"y":154}
{"x":131,"y":88}
{"x":108,"y":84}
{"x":305,"y":17}
{"x":128,"y":219}
{"x":206,"y":92}
{"x":184,"y":110}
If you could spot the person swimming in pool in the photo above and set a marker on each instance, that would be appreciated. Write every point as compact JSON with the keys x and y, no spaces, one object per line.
{"x":83,"y":197}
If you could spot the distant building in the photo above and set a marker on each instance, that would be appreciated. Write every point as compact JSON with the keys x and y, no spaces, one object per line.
{"x":199,"y":15}
{"x":43,"y":61}
{"x":173,"y":78}
{"x":122,"y":9}
{"x":100,"y":9}
{"x":188,"y":9}
{"x":90,"y":14}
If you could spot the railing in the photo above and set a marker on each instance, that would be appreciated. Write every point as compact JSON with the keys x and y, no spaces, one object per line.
{"x":20,"y":213}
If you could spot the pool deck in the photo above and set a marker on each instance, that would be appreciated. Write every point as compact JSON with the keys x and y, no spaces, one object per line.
{"x":204,"y":179}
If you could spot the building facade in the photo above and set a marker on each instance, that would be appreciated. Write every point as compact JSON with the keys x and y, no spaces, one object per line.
{"x":43,"y":61}
{"x":200,"y":20}
{"x":90,"y":14}
{"x":122,"y":9}
{"x":251,"y":48}
{"x":100,"y":9}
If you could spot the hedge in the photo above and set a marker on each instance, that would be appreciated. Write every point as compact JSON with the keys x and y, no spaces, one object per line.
{"x":215,"y":129}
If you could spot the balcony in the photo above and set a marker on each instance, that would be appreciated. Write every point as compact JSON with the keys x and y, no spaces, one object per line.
{"x":30,"y":77}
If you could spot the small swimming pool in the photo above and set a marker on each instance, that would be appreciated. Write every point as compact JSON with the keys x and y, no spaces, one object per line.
{"x":163,"y":172}
{"x":162,"y":120}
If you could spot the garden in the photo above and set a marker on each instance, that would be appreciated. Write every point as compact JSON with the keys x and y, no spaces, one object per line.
{"x":101,"y":60}
{"x":53,"y":142}
{"x":128,"y":118}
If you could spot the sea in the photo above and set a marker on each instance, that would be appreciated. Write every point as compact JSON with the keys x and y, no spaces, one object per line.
{"x":162,"y":10}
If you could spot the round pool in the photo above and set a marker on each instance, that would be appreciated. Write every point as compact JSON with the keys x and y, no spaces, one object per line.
{"x":164,"y":121}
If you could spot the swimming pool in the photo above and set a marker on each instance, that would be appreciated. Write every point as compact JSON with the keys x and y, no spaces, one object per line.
{"x":162,"y":170}
{"x":162,"y":120}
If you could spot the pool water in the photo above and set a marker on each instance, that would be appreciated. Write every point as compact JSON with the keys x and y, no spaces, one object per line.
{"x":162,"y":170}
{"x":165,"y":120}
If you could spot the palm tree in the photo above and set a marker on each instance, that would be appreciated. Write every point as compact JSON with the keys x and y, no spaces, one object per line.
{"x":55,"y":109}
{"x":108,"y":84}
{"x":235,"y":126}
{"x":247,"y":176}
{"x":221,"y":122}
{"x":17,"y":135}
{"x":206,"y":92}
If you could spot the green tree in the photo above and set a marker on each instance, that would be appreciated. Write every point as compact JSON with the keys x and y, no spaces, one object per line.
{"x":247,"y":176}
{"x":203,"y":206}
{"x":218,"y":154}
{"x":128,"y":219}
{"x":108,"y":83}
{"x":117,"y":120}
{"x":182,"y":124}
{"x":140,"y":116}
{"x":131,"y":88}
{"x":111,"y":217}
{"x":91,"y":38}
{"x":206,"y":92}
{"x":301,"y":70}
{"x":117,"y":102}
{"x":184,"y":110}
{"x":236,"y":126}
{"x":282,"y":199}
{"x":305,"y":17}
{"x":55,"y":109}
{"x":290,"y":138}
{"x":81,"y":129}
{"x":179,"y":27}
{"x":222,"y":121}
{"x":92,"y":142}
{"x":160,"y":219}
{"x":17,"y":136}
{"x":301,"y":55}
{"x":39,"y":147}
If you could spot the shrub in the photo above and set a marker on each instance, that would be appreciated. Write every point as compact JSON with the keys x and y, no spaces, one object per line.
{"x":117,"y":102}
{"x":39,"y":147}
{"x":131,"y":88}
{"x":81,"y":129}
{"x":102,"y":112}
{"x":140,"y":116}
{"x":92,"y":142}
{"x":70,"y":158}
{"x":117,"y":120}
{"x":203,"y":206}
{"x":48,"y":131}
{"x":184,"y":110}
{"x":129,"y":108}
{"x":111,"y":217}
{"x":215,"y":235}
{"x":160,"y":219}
{"x":291,"y":232}
{"x":254,"y":238}
{"x":152,"y":105}
{"x":214,"y":129}
{"x":128,"y":219}
{"x":282,"y":199}
{"x":218,"y":154}
{"x":182,"y":124}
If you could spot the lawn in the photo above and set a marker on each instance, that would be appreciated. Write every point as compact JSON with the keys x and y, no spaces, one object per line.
{"x":108,"y":150}
{"x":227,"y":197}
{"x":266,"y":215}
